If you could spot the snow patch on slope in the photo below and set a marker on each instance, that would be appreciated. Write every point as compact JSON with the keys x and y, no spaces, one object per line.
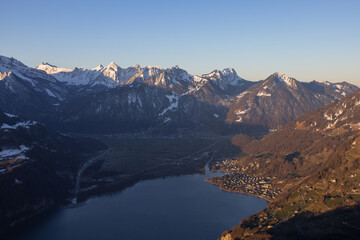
{"x":239,"y":113}
{"x":50,"y":93}
{"x":10,"y":115}
{"x":263,"y":94}
{"x":11,"y":152}
{"x":25,"y":124}
{"x":174,"y":102}
{"x":285,"y":79}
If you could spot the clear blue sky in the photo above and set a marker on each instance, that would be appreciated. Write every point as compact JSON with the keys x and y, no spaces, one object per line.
{"x":305,"y":39}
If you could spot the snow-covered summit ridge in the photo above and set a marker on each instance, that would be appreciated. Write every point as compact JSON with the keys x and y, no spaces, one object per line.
{"x":51,"y":69}
{"x":48,"y":64}
{"x":98,"y":68}
{"x":116,"y":74}
{"x":285,"y":79}
{"x":77,"y":76}
{"x":174,"y":78}
{"x":110,"y":76}
{"x":225,"y":77}
{"x":227,"y":74}
{"x":112,"y":65}
{"x":9,"y":64}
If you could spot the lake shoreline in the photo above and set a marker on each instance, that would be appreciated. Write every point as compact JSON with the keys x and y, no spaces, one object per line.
{"x":268,"y":200}
{"x":95,"y":184}
{"x":191,"y":163}
{"x":122,"y":184}
{"x":165,"y":202}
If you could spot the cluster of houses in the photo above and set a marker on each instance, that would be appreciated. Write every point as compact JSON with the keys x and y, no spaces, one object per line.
{"x":238,"y":182}
{"x":227,"y":165}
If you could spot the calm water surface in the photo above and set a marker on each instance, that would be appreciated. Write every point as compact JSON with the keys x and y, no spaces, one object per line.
{"x":182,"y":207}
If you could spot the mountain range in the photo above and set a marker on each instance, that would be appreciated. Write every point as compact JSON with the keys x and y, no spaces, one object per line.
{"x":158,"y":100}
{"x":280,"y":99}
{"x":311,"y":153}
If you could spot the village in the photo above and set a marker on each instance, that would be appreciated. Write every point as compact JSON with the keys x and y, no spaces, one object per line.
{"x":238,"y":182}
{"x":234,"y":181}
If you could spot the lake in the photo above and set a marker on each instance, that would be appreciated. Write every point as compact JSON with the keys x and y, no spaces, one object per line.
{"x":180,"y":207}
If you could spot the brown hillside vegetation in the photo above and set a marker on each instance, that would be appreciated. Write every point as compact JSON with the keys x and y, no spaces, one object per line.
{"x":315,"y":160}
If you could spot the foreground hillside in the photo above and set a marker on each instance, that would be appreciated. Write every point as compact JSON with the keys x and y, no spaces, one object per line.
{"x":315,"y":161}
{"x":37,"y":167}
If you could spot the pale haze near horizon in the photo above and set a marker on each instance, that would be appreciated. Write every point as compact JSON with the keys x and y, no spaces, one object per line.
{"x":307,"y":40}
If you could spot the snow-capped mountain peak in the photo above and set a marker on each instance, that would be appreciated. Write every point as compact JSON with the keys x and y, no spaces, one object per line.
{"x":8,"y":64}
{"x":98,"y":68}
{"x":51,"y":69}
{"x":114,"y":75}
{"x":76,"y":76}
{"x":113,"y":65}
{"x":149,"y":71}
{"x":285,"y":79}
{"x":28,"y":82}
{"x":224,"y":78}
{"x":46,"y":63}
{"x":227,"y":74}
{"x":137,"y":66}
{"x":109,"y":76}
{"x":229,"y":71}
{"x":23,"y":71}
{"x":175,"y":78}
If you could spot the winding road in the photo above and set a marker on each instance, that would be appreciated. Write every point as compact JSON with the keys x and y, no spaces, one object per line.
{"x":82,"y":168}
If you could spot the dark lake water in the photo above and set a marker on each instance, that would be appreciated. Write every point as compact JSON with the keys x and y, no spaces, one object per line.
{"x":181,"y":207}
